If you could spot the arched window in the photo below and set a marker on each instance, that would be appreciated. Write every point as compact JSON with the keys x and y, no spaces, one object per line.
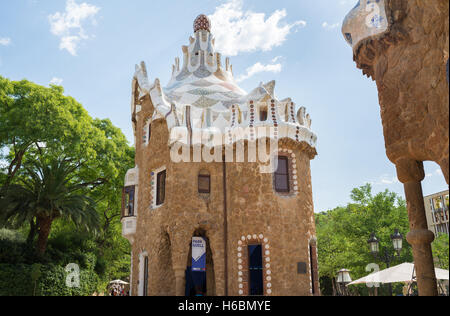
{"x":254,"y":266}
{"x":161,"y":188}
{"x":145,"y":285}
{"x":158,"y":183}
{"x":147,"y":132}
{"x":281,"y":178}
{"x":256,"y":270}
{"x":143,"y":274}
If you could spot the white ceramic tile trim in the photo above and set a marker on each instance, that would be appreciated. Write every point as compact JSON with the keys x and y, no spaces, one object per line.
{"x":266,"y":255}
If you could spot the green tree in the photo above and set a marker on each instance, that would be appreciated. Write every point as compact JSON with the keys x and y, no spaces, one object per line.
{"x":33,"y":117}
{"x":342,"y":233}
{"x":48,"y":191}
{"x":441,"y":251}
{"x":42,"y":124}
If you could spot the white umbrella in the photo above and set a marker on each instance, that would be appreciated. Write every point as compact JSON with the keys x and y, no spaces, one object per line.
{"x":401,"y":273}
{"x":119,"y":282}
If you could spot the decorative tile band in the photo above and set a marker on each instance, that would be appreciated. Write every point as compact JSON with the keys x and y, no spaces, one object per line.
{"x":292,"y":112}
{"x":274,"y":118}
{"x":152,"y":190}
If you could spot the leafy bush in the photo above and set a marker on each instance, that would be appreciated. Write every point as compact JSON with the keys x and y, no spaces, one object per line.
{"x":16,"y":280}
{"x":14,"y":251}
{"x":12,"y":235}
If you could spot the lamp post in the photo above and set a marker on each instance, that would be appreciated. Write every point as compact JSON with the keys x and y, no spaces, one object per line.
{"x":343,"y":279}
{"x":385,"y":256}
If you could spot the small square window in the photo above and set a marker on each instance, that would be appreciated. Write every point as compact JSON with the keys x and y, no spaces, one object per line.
{"x":204,"y":184}
{"x":301,"y":268}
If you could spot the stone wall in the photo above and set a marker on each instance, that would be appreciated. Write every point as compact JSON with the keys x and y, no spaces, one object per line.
{"x":284,"y":225}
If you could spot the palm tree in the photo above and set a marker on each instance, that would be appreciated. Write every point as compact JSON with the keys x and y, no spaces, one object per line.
{"x":46,"y":192}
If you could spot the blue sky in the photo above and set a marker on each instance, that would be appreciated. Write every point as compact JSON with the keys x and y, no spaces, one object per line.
{"x":91,"y":47}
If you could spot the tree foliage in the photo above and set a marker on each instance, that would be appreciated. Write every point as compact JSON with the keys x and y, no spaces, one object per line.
{"x":48,"y":190}
{"x":441,"y":251}
{"x":41,"y":125}
{"x":33,"y":117}
{"x":342,"y":233}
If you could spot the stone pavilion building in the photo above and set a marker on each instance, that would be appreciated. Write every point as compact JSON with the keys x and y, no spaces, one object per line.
{"x":258,"y":227}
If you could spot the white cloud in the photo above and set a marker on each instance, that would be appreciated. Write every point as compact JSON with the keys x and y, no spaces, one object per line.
{"x":258,"y":68}
{"x":5,"y":41}
{"x":70,"y":43}
{"x":56,"y":81}
{"x":328,"y":26}
{"x":68,"y":26}
{"x":238,"y":31}
{"x":276,"y":59}
{"x":386,"y":179}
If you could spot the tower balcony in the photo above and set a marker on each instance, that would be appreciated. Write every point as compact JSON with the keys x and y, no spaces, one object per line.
{"x":129,"y":225}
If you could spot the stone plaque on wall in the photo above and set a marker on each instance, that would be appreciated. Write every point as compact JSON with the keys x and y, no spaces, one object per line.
{"x":301,"y":268}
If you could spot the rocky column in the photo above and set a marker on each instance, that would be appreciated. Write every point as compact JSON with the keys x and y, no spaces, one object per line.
{"x":411,"y":174}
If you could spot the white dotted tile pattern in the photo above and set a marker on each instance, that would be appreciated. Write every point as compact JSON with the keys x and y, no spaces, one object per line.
{"x":257,"y":238}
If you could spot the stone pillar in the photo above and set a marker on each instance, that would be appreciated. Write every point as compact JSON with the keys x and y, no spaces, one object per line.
{"x":411,"y":174}
{"x":180,"y":241}
{"x":180,"y":281}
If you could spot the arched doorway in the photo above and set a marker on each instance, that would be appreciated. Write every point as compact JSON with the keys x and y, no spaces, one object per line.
{"x":200,"y":279}
{"x":165,"y":284}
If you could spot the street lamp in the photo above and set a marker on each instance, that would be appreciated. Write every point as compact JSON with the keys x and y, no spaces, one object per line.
{"x":374,"y":244}
{"x":343,"y":279}
{"x":397,"y":240}
{"x":385,"y":256}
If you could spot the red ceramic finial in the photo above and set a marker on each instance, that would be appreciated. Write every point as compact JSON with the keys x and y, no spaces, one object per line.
{"x":202,"y":22}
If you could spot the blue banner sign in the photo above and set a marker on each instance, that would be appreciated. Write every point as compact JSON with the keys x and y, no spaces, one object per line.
{"x":198,"y":254}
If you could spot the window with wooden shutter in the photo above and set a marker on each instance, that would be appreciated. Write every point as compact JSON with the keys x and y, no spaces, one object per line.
{"x":204,"y":184}
{"x":161,"y":188}
{"x":281,"y":177}
{"x":128,"y":202}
